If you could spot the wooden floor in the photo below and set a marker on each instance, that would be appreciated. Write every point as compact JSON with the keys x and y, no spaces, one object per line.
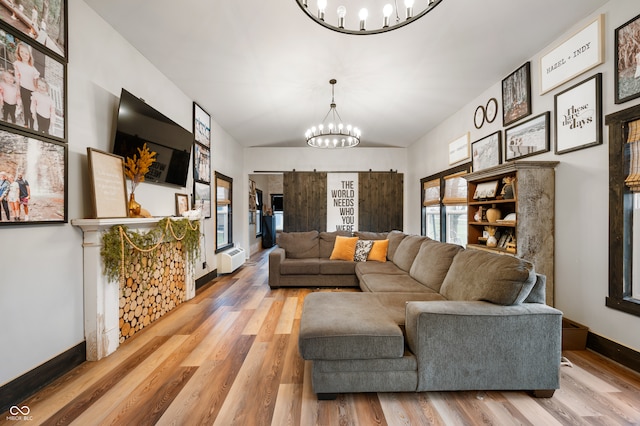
{"x":229,"y":356}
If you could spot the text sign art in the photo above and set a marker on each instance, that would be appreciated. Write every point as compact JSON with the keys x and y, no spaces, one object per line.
{"x":342,"y":202}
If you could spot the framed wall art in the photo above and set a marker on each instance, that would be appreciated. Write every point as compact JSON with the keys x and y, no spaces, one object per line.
{"x":487,"y":152}
{"x":516,"y":95}
{"x":459,"y":149}
{"x":33,"y":172}
{"x":578,"y":54}
{"x":578,"y":116}
{"x":182,"y":204}
{"x":44,"y":22}
{"x":33,"y":84}
{"x":202,"y":198}
{"x":479,"y":117}
{"x":201,"y":163}
{"x":201,"y":126}
{"x":528,"y":138}
{"x":627,"y":71}
{"x":491,"y":110}
{"x":108,"y":184}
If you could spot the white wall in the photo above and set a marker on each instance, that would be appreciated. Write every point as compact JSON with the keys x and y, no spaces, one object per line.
{"x":41,"y":290}
{"x":582,"y":216}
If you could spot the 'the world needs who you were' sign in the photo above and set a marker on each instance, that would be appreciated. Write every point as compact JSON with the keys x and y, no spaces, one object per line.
{"x":342,"y":202}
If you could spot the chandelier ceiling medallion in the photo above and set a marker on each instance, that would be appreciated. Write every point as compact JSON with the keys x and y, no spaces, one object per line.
{"x":332,"y":133}
{"x":385,"y":15}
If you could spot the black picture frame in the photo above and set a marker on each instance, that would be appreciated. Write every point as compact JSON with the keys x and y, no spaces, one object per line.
{"x":627,"y":61}
{"x":17,"y":78}
{"x":491,"y":110}
{"x":487,"y":152}
{"x":516,"y":95}
{"x":202,"y":198}
{"x":531,"y":137}
{"x":50,"y":33}
{"x":201,"y":163}
{"x":578,"y":116}
{"x":201,"y":126}
{"x":43,"y":164}
{"x":479,"y":117}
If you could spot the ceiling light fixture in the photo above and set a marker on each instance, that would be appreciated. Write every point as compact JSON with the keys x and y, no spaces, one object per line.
{"x":388,"y":16}
{"x":332,"y":133}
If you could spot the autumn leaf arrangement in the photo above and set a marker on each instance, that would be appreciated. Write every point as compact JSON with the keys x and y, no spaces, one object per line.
{"x":135,"y":168}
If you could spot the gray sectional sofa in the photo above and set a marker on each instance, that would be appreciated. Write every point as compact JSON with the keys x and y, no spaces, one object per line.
{"x":433,"y":317}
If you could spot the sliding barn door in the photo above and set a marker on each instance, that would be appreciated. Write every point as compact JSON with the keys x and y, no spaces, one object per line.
{"x":305,"y":201}
{"x":381,"y":201}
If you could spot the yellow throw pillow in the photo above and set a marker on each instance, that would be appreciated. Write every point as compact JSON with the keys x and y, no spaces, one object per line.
{"x":344,"y":248}
{"x":379,"y":251}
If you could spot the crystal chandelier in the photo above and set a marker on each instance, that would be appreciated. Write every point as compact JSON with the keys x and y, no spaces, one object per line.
{"x":332,"y":133}
{"x":385,"y":15}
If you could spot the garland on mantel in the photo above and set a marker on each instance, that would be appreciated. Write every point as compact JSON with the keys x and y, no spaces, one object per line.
{"x":116,"y":254}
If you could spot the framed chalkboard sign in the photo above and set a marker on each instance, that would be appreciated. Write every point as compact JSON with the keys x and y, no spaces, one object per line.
{"x":108,"y":185}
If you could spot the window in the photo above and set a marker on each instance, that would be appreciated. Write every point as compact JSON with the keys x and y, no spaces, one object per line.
{"x":224,"y":212}
{"x":444,"y":206}
{"x":277,"y":203}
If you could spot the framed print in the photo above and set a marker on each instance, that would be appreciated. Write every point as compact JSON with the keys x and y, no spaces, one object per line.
{"x":108,"y":184}
{"x":578,"y":116}
{"x":528,"y":138}
{"x":478,"y":117}
{"x":486,"y":152}
{"x":516,"y":95}
{"x":459,"y":149}
{"x":44,"y":22}
{"x":627,"y":72}
{"x":33,"y":171}
{"x":201,"y":126}
{"x":578,"y":54}
{"x":486,"y":190}
{"x":182,"y":204}
{"x":33,"y":86}
{"x":201,"y":163}
{"x":202,"y":198}
{"x":491,"y":110}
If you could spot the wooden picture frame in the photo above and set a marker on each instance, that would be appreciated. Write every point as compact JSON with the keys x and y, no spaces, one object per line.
{"x":578,"y":116}
{"x":516,"y":95}
{"x":528,"y":138}
{"x":487,"y":152}
{"x":578,"y":54}
{"x":486,"y":190}
{"x":182,"y":203}
{"x":627,"y":62}
{"x":38,"y":170}
{"x":108,"y":184}
{"x":201,"y":126}
{"x":459,"y":149}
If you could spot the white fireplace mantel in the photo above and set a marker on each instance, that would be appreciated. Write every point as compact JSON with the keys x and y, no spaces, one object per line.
{"x":102,"y":296}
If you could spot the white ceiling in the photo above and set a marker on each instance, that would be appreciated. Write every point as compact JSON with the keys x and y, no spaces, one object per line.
{"x":262,"y":68}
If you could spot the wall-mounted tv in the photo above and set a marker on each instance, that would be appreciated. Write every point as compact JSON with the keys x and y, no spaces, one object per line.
{"x":139,"y":123}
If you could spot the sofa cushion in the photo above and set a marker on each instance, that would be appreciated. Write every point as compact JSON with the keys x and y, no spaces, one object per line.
{"x":378,"y":252}
{"x":407,"y":251}
{"x":300,"y":245}
{"x":347,"y":326}
{"x":337,"y":267}
{"x":395,"y":238}
{"x":366,"y":235}
{"x":491,"y":277}
{"x":432,"y":263}
{"x":391,"y":283}
{"x":364,"y":268}
{"x":344,"y":248}
{"x":363,"y":247}
{"x":328,"y":240}
{"x":300,"y":267}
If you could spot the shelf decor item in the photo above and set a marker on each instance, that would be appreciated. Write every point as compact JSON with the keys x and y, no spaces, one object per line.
{"x":135,"y":168}
{"x":493,"y":214}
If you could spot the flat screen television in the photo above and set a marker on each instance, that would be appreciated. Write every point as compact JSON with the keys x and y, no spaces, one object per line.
{"x":139,"y":123}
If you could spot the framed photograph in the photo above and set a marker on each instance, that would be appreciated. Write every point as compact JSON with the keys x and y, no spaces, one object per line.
{"x":201,"y":126}
{"x":182,"y":203}
{"x":491,"y":110}
{"x":459,"y":149}
{"x":33,"y":171}
{"x":627,"y":72}
{"x":578,"y":115}
{"x":528,"y":138}
{"x":486,"y":190}
{"x":202,"y":198}
{"x":516,"y":95}
{"x":478,"y":117}
{"x":34,"y":88}
{"x":487,"y":152}
{"x":108,"y":184}
{"x":201,"y":163}
{"x":44,"y":22}
{"x":576,"y":55}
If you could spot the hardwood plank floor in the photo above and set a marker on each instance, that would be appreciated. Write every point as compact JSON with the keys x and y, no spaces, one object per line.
{"x":230,"y":357}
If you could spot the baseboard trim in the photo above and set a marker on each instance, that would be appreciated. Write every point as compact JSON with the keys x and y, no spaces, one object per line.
{"x":17,"y":390}
{"x":615,"y":351}
{"x":205,"y":279}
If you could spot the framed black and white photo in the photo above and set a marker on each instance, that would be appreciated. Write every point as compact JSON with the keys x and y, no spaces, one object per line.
{"x":108,"y":184}
{"x":33,"y":86}
{"x":202,"y":198}
{"x":201,"y":125}
{"x":43,"y":22}
{"x":201,"y":163}
{"x":487,"y":152}
{"x":528,"y":138}
{"x":33,"y":180}
{"x":627,"y":68}
{"x":578,"y":116}
{"x":516,"y":95}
